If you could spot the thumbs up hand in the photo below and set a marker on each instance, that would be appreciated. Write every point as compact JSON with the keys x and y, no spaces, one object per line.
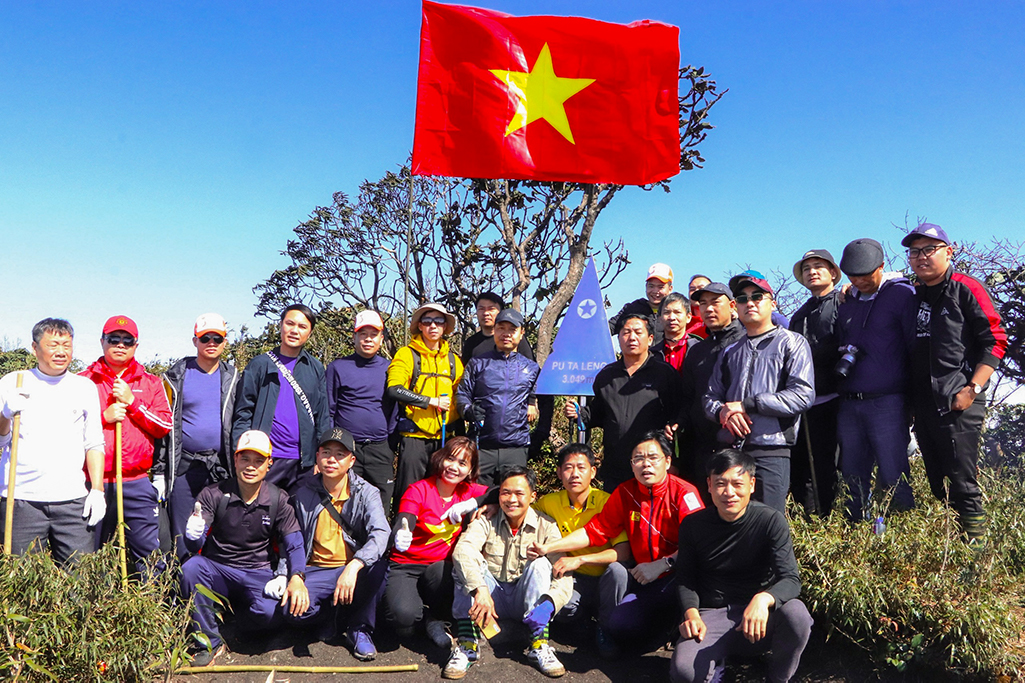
{"x":403,"y":537}
{"x":196,"y":525}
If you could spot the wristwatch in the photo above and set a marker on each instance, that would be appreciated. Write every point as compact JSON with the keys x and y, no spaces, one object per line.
{"x":301,"y":575}
{"x":670,"y":561}
{"x":976,"y":388}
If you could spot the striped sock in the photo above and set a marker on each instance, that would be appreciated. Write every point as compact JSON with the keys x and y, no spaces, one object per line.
{"x":467,"y":630}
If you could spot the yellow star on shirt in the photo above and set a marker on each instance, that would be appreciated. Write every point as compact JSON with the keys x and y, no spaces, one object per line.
{"x":541,"y":94}
{"x":442,"y":532}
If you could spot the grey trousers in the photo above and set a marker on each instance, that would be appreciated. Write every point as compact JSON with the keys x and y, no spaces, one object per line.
{"x":59,"y":526}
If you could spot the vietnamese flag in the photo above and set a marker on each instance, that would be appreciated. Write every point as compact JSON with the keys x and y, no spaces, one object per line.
{"x":546,"y":98}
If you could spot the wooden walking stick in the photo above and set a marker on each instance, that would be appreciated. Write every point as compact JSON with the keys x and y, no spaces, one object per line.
{"x":12,"y":468}
{"x":122,"y":552}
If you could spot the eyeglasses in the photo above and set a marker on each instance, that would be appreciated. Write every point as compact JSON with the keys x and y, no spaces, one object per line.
{"x":646,"y":459}
{"x":427,"y":322}
{"x":915,"y":252}
{"x":207,"y":338}
{"x":116,"y":340}
{"x":755,"y":298}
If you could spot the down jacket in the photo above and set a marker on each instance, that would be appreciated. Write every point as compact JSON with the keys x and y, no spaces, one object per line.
{"x":772,"y":375}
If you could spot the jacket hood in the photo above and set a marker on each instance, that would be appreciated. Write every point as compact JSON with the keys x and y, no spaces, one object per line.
{"x":418,"y":345}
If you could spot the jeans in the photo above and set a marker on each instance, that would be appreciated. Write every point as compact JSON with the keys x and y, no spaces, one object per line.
{"x":514,"y":599}
{"x":874,"y":431}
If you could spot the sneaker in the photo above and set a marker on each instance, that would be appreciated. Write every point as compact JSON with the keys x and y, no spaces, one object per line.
{"x":463,"y":656}
{"x":543,"y":656}
{"x":718,"y":673}
{"x":607,"y":648}
{"x":437,"y":631}
{"x":206,"y":657}
{"x":362,"y":645}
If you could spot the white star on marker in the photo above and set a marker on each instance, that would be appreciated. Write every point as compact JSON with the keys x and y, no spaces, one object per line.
{"x":586,"y":308}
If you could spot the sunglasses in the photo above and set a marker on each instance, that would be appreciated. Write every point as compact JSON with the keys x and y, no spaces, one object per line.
{"x":926,"y":252}
{"x":117,"y":340}
{"x":756,"y":297}
{"x":427,"y":322}
{"x":207,"y":338}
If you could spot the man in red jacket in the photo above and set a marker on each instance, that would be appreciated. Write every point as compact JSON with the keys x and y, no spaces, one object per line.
{"x":649,"y":509}
{"x":131,"y":396}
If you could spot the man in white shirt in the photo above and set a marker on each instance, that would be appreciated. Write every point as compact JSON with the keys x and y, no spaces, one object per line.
{"x":60,"y":430}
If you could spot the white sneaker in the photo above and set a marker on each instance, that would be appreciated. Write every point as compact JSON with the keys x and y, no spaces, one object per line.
{"x":464,"y":654}
{"x":437,"y":631}
{"x":544,"y":657}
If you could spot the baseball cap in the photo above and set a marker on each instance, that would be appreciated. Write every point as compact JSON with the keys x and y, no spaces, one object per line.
{"x":509,"y":315}
{"x":861,"y":257}
{"x":121,"y":322}
{"x":341,"y":436}
{"x":818,"y":253}
{"x":749,"y":277}
{"x":660,"y":271}
{"x":371,"y":318}
{"x":210,"y":322}
{"x":254,"y":440}
{"x":717,"y":288}
{"x":925,"y":230}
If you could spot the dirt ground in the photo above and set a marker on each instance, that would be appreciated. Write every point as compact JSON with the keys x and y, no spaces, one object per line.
{"x":504,"y":660}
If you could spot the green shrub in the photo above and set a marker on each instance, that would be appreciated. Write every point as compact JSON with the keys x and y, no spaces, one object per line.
{"x":79,"y":625}
{"x":916,"y":594}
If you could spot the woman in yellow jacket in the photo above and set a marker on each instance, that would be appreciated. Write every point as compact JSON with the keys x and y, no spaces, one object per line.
{"x":423,"y":377}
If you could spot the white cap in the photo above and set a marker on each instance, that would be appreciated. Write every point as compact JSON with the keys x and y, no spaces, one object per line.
{"x":211,"y":322}
{"x":371,"y":318}
{"x":660,"y":271}
{"x":254,"y":440}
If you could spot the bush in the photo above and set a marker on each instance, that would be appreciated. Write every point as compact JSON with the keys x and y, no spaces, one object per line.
{"x":916,"y":594}
{"x":79,"y":625}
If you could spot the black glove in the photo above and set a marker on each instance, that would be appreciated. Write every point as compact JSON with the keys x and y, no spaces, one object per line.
{"x":476,"y":413}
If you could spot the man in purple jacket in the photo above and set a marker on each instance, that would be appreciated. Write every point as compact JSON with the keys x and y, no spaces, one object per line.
{"x":875,"y":329}
{"x":356,"y":403}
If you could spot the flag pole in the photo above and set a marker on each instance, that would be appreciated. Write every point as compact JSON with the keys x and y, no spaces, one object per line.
{"x":12,"y":467}
{"x":405,"y":279}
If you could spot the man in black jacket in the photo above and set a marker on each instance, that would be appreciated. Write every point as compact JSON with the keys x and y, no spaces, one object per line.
{"x":737,"y":581}
{"x":960,"y":344}
{"x":813,"y":463}
{"x":700,"y":439}
{"x":197,"y":451}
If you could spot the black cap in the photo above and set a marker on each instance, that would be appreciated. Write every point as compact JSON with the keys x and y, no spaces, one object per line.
{"x":717,"y":288}
{"x":509,"y":315}
{"x":862,"y":256}
{"x":822,"y":254}
{"x":341,"y":436}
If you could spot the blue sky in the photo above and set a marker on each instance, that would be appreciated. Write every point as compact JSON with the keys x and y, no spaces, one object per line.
{"x":154,"y":157}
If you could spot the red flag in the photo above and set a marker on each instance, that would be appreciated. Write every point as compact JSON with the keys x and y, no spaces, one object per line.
{"x":546,"y":98}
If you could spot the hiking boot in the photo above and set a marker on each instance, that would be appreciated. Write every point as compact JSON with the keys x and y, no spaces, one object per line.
{"x":206,"y":657}
{"x":543,"y":657}
{"x":607,"y":647}
{"x":463,"y":656}
{"x":438,"y":633}
{"x":362,"y":645}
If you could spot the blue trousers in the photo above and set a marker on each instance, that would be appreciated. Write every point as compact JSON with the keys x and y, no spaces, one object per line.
{"x":142,"y":524}
{"x":633,"y":612}
{"x":874,"y":432}
{"x":361,"y":614}
{"x":243,"y":587}
{"x":513,"y":599}
{"x":181,"y":499}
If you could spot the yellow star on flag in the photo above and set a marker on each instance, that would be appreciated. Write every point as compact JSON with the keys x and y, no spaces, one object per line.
{"x":442,"y":532}
{"x":541,"y":94}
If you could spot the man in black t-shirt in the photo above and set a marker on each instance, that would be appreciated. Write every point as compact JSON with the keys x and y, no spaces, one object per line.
{"x":737,"y":580}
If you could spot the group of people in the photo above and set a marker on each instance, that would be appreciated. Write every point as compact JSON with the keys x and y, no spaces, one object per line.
{"x":279,"y":481}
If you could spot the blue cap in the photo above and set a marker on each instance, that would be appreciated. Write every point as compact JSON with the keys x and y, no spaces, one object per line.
{"x":509,"y":315}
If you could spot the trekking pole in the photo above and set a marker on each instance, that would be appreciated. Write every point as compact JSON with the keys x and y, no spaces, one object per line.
{"x":122,"y":552}
{"x":811,"y":465}
{"x":12,"y":468}
{"x":444,"y":419}
{"x":581,"y":430}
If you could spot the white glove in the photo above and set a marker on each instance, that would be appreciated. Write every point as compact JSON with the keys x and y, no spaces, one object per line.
{"x":196,"y":525}
{"x":456,"y":513}
{"x":16,"y":403}
{"x":95,"y":507}
{"x":403,"y":537}
{"x":275,"y":588}
{"x":160,"y":486}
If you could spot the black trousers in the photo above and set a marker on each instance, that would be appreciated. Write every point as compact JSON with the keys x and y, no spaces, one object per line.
{"x":412,"y":586}
{"x":375,"y":462}
{"x":494,"y":460}
{"x":950,"y":450}
{"x":414,"y":454}
{"x":819,"y":426}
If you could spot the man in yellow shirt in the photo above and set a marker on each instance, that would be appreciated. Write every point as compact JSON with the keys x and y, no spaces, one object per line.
{"x":572,"y":508}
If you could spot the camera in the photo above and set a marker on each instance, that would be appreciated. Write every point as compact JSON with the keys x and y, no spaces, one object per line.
{"x":848,"y":357}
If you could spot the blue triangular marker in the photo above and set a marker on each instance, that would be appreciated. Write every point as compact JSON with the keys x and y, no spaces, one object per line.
{"x":583,"y":345}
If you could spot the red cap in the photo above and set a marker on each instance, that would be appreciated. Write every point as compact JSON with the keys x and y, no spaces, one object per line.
{"x":121,"y":322}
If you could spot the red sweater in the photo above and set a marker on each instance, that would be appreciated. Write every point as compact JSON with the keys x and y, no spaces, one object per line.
{"x":649,"y":516}
{"x":147,"y":418}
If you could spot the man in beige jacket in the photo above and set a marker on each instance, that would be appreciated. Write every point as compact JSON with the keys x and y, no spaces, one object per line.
{"x":493,"y":578}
